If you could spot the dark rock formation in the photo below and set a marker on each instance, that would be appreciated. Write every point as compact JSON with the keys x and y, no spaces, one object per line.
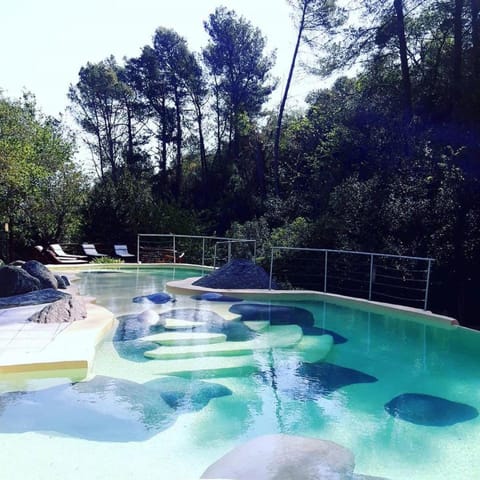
{"x":237,"y":274}
{"x":15,"y":281}
{"x":38,"y":270}
{"x":33,"y":298}
{"x":429,"y":410}
{"x":64,"y":310}
{"x":62,"y":281}
{"x":157,"y":298}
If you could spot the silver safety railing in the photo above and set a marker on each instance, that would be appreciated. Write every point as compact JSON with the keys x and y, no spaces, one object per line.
{"x":192,"y":249}
{"x":375,"y":276}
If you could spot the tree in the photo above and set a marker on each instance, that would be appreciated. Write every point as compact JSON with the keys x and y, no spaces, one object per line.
{"x":41,"y":189}
{"x":311,"y":16}
{"x":98,"y":105}
{"x":239,"y":69}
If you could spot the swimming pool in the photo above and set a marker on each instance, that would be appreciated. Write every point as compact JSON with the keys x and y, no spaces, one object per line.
{"x":348,"y":377}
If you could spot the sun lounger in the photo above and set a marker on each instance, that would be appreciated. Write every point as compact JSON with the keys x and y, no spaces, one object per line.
{"x":121,"y":251}
{"x":59,"y":252}
{"x":45,"y":255}
{"x":90,"y":251}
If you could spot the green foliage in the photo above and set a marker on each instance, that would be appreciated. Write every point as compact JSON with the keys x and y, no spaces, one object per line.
{"x":41,"y":189}
{"x":240,"y":68}
{"x":107,"y":260}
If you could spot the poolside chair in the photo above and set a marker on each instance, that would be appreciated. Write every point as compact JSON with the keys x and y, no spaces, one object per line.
{"x":91,"y":252}
{"x":59,"y":252}
{"x":121,"y":251}
{"x":49,"y":256}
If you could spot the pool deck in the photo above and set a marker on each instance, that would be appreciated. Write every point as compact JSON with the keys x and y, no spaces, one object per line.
{"x":68,"y":349}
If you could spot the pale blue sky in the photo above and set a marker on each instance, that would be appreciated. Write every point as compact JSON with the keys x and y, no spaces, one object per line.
{"x":44,"y":43}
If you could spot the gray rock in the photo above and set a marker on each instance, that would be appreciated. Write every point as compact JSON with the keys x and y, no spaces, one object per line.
{"x":37,"y":297}
{"x":15,"y":281}
{"x":237,"y":274}
{"x":40,"y":271}
{"x":61,"y":282}
{"x":271,"y":457}
{"x":64,"y":310}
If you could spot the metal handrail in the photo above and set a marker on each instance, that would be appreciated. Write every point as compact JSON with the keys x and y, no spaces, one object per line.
{"x":175,"y":236}
{"x":372,"y":256}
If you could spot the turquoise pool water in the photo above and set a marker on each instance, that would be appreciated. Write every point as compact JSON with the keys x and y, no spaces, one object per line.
{"x":171,"y":418}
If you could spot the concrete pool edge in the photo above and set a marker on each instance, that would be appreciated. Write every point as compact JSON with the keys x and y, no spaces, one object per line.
{"x":186,"y":287}
{"x":70,"y":350}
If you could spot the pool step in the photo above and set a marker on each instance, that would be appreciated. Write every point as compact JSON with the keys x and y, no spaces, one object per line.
{"x":176,"y":324}
{"x":272,"y":337}
{"x":186,"y":338}
{"x":257,"y":326}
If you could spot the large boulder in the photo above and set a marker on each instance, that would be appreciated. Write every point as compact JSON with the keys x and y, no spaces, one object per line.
{"x":15,"y":281}
{"x":68,"y":309}
{"x":40,"y":271}
{"x":237,"y":274}
{"x":271,"y":457}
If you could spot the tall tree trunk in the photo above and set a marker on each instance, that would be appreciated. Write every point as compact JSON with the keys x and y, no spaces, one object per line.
{"x":179,"y":140}
{"x":457,"y":74}
{"x":475,"y":8}
{"x":164,"y":140}
{"x":201,"y":139}
{"x":218,"y":115}
{"x":130,"y":160}
{"x":276,"y":145}
{"x":406,"y":83}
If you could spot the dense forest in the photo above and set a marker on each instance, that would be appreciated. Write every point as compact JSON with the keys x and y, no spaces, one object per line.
{"x":387,"y":159}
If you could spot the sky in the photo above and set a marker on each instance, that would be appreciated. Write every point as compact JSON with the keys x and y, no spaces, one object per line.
{"x":44,"y":43}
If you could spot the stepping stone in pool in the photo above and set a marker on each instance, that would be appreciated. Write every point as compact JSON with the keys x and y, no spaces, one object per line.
{"x":216,"y":297}
{"x":283,"y":315}
{"x":429,"y":410}
{"x":276,"y":456}
{"x":156,"y":298}
{"x":257,"y":326}
{"x":176,"y":324}
{"x":184,"y":338}
{"x":212,"y":322}
{"x":274,"y":337}
{"x":105,"y":408}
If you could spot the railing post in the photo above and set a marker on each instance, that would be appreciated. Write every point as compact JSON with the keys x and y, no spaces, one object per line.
{"x":255,"y":251}
{"x":371,"y":278}
{"x":229,"y":243}
{"x":325,"y":274}
{"x":203,"y":251}
{"x":428,"y":284}
{"x":138,"y":248}
{"x":271,"y":270}
{"x":174,"y":251}
{"x":215,"y":255}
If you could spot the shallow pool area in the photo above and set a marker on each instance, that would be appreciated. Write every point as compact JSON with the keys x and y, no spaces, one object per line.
{"x":179,"y":383}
